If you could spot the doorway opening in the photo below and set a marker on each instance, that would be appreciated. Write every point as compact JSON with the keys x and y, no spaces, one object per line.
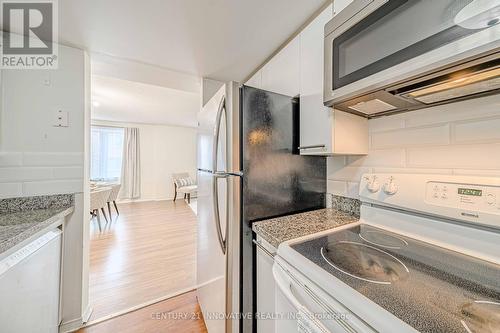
{"x":142,"y":242}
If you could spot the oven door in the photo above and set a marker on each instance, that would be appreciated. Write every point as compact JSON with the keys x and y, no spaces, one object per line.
{"x":369,"y":42}
{"x":303,"y":307}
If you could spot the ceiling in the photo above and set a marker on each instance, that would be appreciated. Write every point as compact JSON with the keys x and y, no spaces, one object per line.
{"x":134,"y":102}
{"x":219,"y":39}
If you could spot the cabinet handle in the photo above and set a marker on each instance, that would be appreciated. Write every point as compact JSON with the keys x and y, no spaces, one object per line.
{"x":266,"y":251}
{"x":312,"y":146}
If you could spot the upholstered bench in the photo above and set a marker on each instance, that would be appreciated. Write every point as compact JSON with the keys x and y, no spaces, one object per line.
{"x":184,"y":184}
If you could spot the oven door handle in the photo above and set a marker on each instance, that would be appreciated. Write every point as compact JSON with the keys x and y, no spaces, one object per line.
{"x":284,"y":280}
{"x":286,"y":288}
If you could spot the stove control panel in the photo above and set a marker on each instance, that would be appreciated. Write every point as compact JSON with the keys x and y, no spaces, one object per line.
{"x":464,"y":196}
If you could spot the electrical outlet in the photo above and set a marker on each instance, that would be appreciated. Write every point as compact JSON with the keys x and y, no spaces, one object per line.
{"x":61,"y":119}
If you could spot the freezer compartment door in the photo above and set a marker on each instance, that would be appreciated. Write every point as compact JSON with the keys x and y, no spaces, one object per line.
{"x":208,"y":123}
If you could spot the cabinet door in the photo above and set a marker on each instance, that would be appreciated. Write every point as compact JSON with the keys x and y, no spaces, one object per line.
{"x":265,"y":292}
{"x":281,"y":73}
{"x":255,"y":81}
{"x":316,"y":120}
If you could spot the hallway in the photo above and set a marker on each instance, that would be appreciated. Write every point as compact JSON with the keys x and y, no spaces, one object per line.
{"x":145,"y":254}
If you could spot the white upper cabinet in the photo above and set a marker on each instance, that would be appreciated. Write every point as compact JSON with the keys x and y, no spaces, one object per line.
{"x":315,"y":119}
{"x":298,"y":70}
{"x":338,"y":5}
{"x":322,"y":129}
{"x":281,"y":73}
{"x":255,"y":81}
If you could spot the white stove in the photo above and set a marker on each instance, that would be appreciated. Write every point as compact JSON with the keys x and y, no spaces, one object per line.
{"x":424,"y":257}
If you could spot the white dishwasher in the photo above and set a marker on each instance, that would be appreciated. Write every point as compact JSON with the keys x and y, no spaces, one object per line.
{"x":29,"y":286}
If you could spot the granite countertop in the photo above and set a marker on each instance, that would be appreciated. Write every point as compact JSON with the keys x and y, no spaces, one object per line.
{"x":278,"y":230}
{"x":16,"y":227}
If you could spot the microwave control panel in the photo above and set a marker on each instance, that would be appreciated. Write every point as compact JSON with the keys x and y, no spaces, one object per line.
{"x":466,"y":197}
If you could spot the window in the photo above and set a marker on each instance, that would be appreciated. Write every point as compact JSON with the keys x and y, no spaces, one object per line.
{"x":106,"y":153}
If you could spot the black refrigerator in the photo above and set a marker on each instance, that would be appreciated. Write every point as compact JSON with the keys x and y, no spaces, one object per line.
{"x":277,"y":181}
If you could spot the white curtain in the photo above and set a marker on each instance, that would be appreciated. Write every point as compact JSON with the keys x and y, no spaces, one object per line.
{"x":131,"y":166}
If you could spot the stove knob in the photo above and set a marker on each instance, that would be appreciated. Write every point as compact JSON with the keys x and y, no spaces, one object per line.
{"x":390,"y":187}
{"x":374,"y":186}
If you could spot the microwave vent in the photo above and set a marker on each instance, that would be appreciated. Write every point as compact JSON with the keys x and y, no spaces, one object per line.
{"x":471,"y":89}
{"x":372,"y":106}
{"x":471,"y":84}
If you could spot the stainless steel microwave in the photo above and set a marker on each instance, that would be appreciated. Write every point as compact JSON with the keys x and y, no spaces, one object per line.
{"x":388,"y":56}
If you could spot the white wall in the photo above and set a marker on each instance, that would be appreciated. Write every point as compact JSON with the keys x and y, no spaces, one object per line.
{"x":37,"y":158}
{"x":208,"y":89}
{"x":461,"y":138}
{"x":133,"y":71}
{"x":164,"y":150}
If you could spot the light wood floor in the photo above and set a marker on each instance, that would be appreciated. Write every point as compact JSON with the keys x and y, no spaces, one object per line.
{"x":180,"y":314}
{"x":146,"y":253}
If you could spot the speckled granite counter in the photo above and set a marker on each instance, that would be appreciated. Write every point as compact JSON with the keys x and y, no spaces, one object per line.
{"x":22,"y":218}
{"x":278,"y":230}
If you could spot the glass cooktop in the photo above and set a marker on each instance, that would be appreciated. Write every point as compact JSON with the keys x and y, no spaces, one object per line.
{"x":430,"y":288}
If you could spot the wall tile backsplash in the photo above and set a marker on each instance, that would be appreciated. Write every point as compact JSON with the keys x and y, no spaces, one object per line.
{"x":460,"y":138}
{"x":32,"y":174}
{"x":344,"y":204}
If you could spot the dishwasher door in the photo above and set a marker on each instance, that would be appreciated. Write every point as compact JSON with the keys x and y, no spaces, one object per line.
{"x":29,"y":287}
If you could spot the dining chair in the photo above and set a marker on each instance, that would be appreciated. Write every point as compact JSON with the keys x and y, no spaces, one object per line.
{"x":98,"y":199}
{"x":115,"y":189}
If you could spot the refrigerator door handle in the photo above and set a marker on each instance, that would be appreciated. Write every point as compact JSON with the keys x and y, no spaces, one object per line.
{"x":222,"y":174}
{"x":222,"y":241}
{"x":222,"y":109}
{"x":205,"y":171}
{"x":220,"y":112}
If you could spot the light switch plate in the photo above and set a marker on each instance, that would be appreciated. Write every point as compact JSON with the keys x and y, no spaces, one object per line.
{"x":61,"y":119}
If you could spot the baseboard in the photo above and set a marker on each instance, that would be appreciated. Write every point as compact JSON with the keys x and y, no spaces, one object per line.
{"x":71,"y":326}
{"x":142,"y":305}
{"x":76,"y":324}
{"x":87,"y":314}
{"x":144,"y":200}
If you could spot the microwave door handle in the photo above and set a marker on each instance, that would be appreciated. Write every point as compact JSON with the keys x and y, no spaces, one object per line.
{"x":215,"y":182}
